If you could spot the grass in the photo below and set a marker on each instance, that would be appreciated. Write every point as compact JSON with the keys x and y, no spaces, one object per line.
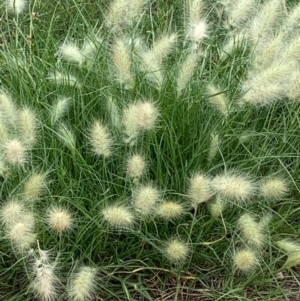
{"x":132,"y":264}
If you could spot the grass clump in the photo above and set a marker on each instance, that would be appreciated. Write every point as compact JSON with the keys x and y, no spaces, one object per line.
{"x":149,"y":147}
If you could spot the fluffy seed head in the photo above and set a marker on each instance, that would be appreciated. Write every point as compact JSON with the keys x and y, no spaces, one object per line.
{"x":83,"y":284}
{"x":34,"y":186}
{"x":194,"y":10}
{"x":100,"y":139}
{"x":60,"y":219}
{"x":264,"y":86}
{"x":288,"y":245}
{"x":176,"y":250}
{"x":21,"y":234}
{"x":13,"y":212}
{"x":44,"y":284}
{"x":114,"y":113}
{"x":169,"y":210}
{"x":147,"y":115}
{"x":67,"y":137}
{"x":70,"y":52}
{"x":60,"y":78}
{"x":8,"y":110}
{"x":152,"y":67}
{"x":186,"y":72}
{"x":274,"y":188}
{"x":118,"y":216}
{"x":163,"y":46}
{"x":138,"y":117}
{"x":234,"y":186}
{"x":122,"y":13}
{"x":252,"y":231}
{"x":292,"y":21}
{"x":238,"y":12}
{"x":136,"y":166}
{"x":130,"y":121}
{"x":218,"y":99}
{"x":293,"y":252}
{"x":217,"y":207}
{"x":15,"y":152}
{"x":263,"y":22}
{"x":198,"y":31}
{"x":145,"y":199}
{"x":16,"y":6}
{"x":214,"y":146}
{"x":27,"y":126}
{"x":245,"y":260}
{"x":122,"y":63}
{"x":59,"y":108}
{"x":199,"y":189}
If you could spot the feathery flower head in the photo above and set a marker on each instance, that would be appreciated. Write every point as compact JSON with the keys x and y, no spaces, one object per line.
{"x":169,"y":210}
{"x":130,"y":121}
{"x":59,"y":108}
{"x":217,"y":207}
{"x":274,"y":188}
{"x":114,"y":113}
{"x":122,"y":63}
{"x":16,"y":6}
{"x":145,"y":199}
{"x":8,"y":109}
{"x":163,"y":46}
{"x":198,"y":31}
{"x":13,"y":212}
{"x":238,"y":12}
{"x":15,"y":152}
{"x":60,"y":78}
{"x":214,"y":146}
{"x":45,"y":282}
{"x":293,"y":252}
{"x":245,"y":260}
{"x":265,"y":86}
{"x":199,"y":189}
{"x":292,"y":20}
{"x":194,"y":10}
{"x":186,"y":71}
{"x":138,"y":117}
{"x":151,"y":65}
{"x":27,"y":126}
{"x":176,"y":250}
{"x":70,"y":52}
{"x":218,"y":99}
{"x":100,"y":139}
{"x":122,"y":13}
{"x":263,"y":23}
{"x":147,"y":115}
{"x":34,"y":186}
{"x":136,"y":166}
{"x":21,"y":234}
{"x":60,"y":219}
{"x":66,"y":136}
{"x":252,"y":231}
{"x":116,"y":13}
{"x":234,"y":186}
{"x":83,"y":284}
{"x":118,"y":216}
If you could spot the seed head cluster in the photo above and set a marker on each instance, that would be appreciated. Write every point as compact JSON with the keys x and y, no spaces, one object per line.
{"x":234,"y":186}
